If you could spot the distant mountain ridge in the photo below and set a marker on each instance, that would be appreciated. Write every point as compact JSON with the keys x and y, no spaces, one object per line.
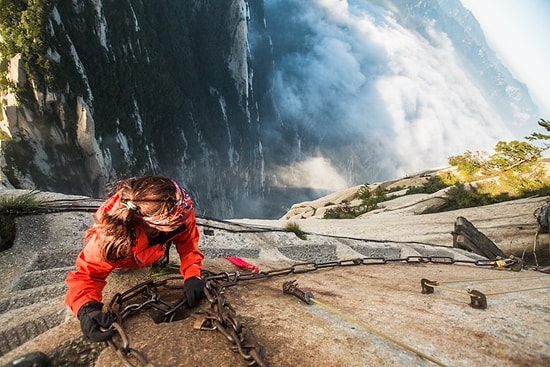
{"x":496,"y":80}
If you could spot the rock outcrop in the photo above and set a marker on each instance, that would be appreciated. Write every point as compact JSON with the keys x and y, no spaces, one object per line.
{"x":512,"y":225}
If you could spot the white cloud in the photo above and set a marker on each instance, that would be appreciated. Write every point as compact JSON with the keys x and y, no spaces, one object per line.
{"x":398,"y":91}
{"x":315,"y":173}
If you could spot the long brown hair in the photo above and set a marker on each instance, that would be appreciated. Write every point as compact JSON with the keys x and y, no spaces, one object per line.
{"x":141,"y":196}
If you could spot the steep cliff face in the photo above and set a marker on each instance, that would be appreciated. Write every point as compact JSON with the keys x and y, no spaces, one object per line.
{"x":251,"y":106}
{"x":141,"y":87}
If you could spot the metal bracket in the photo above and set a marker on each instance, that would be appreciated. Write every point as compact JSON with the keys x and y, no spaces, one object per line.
{"x":427,"y":286}
{"x":477,"y":299}
{"x":291,"y":287}
{"x":206,"y":322}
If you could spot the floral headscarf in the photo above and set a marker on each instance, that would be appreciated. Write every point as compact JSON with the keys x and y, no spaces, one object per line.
{"x":176,"y":217}
{"x":179,"y":213}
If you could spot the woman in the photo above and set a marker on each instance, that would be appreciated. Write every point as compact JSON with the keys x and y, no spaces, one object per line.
{"x":134,"y":228}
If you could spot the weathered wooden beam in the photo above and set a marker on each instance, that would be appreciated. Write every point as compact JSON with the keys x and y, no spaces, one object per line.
{"x":466,"y":236}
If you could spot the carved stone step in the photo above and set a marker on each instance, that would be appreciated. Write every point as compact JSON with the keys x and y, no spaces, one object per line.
{"x":32,"y":279}
{"x":31,"y":296}
{"x":23,"y":324}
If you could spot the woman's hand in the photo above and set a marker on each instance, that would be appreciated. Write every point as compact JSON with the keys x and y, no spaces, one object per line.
{"x":94,"y":322}
{"x":194,"y":290}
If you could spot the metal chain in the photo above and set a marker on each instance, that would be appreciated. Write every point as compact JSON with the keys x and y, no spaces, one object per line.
{"x":149,"y":292}
{"x":222,"y":315}
{"x":126,"y":354}
{"x":512,"y":263}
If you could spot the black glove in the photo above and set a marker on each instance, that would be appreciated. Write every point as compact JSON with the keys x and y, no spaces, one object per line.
{"x":92,"y":319}
{"x":194,"y":290}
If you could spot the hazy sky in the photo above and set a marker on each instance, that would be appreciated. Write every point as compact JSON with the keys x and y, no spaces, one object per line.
{"x":519,"y":32}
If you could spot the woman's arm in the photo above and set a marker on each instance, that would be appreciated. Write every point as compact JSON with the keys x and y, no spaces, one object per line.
{"x":187,"y":245}
{"x":87,"y":281}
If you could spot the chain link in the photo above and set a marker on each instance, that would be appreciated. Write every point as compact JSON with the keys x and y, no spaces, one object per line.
{"x":222,"y":316}
{"x":513,"y":263}
{"x":121,"y":308}
{"x":129,"y":356}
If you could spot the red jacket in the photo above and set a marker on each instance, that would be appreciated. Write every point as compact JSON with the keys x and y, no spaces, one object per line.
{"x":88,"y":280}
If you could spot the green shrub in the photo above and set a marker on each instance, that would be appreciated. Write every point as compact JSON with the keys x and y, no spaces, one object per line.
{"x":343,"y":211}
{"x":294,"y":227}
{"x":434,"y":184}
{"x":24,"y":203}
{"x":461,"y":197}
{"x":369,"y":201}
